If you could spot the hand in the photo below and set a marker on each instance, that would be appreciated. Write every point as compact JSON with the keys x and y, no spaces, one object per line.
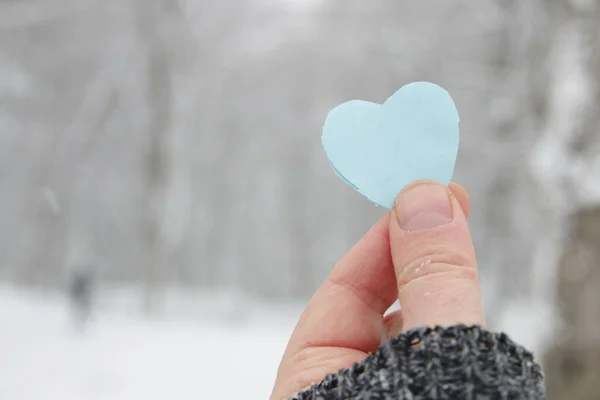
{"x":421,"y":253}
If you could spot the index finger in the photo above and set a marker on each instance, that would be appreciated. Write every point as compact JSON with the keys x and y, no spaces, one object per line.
{"x":343,"y":320}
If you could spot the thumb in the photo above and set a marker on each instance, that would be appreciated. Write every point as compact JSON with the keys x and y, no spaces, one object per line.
{"x":434,"y":259}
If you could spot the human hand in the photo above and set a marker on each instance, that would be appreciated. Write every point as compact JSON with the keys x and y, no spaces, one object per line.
{"x":421,"y":253}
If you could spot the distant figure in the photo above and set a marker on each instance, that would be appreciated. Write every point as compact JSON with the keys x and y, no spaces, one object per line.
{"x":80,"y":293}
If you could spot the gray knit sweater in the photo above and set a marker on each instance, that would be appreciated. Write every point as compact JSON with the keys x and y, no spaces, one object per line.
{"x":453,"y":363}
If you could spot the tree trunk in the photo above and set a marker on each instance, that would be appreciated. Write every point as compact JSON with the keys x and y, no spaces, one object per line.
{"x":573,"y":365}
{"x":151,"y":18}
{"x":568,"y":153}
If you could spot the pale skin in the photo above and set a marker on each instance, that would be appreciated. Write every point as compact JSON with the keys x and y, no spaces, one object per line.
{"x":421,"y":253}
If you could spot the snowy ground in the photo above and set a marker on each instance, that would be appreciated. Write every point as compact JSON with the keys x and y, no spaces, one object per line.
{"x":211,"y":346}
{"x":126,"y":357}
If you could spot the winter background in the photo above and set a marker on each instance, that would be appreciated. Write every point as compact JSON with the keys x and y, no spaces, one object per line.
{"x":166,"y":208}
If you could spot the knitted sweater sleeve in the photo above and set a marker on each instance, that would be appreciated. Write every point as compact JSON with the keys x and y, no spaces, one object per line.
{"x":458,"y":362}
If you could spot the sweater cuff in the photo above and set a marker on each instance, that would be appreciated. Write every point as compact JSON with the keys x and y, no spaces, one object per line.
{"x":459,"y":362}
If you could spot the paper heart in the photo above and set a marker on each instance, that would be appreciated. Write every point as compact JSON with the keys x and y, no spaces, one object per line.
{"x":379,"y":149}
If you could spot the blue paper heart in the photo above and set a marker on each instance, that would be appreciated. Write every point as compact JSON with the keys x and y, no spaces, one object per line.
{"x":379,"y":149}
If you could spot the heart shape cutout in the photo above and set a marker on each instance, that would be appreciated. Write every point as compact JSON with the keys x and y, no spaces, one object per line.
{"x":378,"y":149}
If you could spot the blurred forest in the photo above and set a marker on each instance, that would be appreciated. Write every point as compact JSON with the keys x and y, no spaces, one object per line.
{"x":177,"y":142}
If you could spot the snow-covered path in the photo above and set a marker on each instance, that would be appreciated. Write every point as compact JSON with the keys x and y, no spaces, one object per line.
{"x":215,"y":346}
{"x":131,"y":358}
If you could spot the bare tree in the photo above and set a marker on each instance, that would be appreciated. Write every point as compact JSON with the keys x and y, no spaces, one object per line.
{"x":152,"y":21}
{"x":567,"y":165}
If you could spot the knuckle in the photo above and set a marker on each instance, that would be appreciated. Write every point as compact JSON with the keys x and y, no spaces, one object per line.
{"x":433,"y":262}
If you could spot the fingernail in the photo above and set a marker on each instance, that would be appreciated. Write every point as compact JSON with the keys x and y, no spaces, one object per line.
{"x":423,"y":205}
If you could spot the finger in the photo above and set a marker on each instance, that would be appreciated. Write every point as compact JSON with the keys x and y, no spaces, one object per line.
{"x":462,"y":197}
{"x":366,"y":273}
{"x":361,"y":286}
{"x":343,"y":321}
{"x":393,"y":323}
{"x":434,"y":258}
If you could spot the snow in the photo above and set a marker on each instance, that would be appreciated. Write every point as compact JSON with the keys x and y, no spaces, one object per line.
{"x":518,"y":318}
{"x":126,"y":357}
{"x":207,"y":345}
